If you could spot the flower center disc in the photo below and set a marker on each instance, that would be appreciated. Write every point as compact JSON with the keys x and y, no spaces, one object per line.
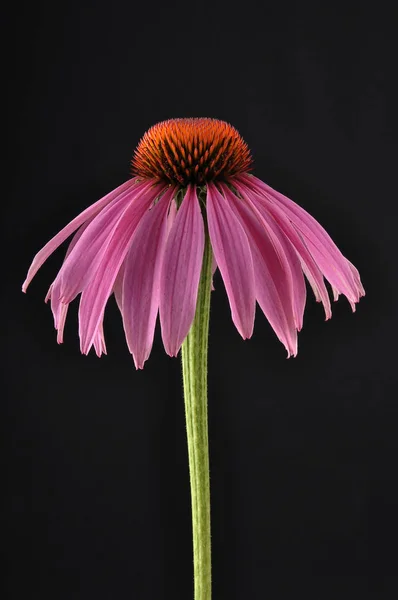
{"x":191,"y":151}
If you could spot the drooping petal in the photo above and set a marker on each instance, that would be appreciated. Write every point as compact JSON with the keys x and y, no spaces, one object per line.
{"x":357,"y":279}
{"x":308,"y":264}
{"x":77,"y":237}
{"x":141,"y":283}
{"x":61,"y":322}
{"x":213,"y":270}
{"x":99,"y":341}
{"x":334,"y":266}
{"x":48,"y":295}
{"x":59,"y":308}
{"x":318,"y":287}
{"x":181,"y":273}
{"x":273,"y":286}
{"x":336,"y":295}
{"x":234,"y":259}
{"x":118,"y":287}
{"x":58,"y":239}
{"x":95,"y":296}
{"x":59,"y":311}
{"x":271,"y":210}
{"x":89,"y":250}
{"x":213,"y":265}
{"x":287,"y":256}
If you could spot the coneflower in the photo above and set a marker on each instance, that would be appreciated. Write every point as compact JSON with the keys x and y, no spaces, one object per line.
{"x":155,"y":241}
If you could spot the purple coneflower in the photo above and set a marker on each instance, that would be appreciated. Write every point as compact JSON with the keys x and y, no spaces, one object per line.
{"x":144,"y":243}
{"x":155,"y":242}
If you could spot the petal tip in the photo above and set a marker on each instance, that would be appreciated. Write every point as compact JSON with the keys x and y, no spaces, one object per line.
{"x":173,"y":353}
{"x":84,"y":349}
{"x":139,"y":362}
{"x":292,"y":354}
{"x":245,"y":334}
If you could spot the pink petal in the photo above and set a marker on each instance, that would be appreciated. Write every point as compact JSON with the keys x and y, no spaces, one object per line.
{"x":77,"y":236}
{"x":61,"y":322}
{"x":318,"y":287}
{"x":181,"y":273}
{"x":57,"y":240}
{"x":48,"y":295}
{"x":213,"y":270}
{"x":273,"y":279}
{"x":213,"y":265}
{"x":118,"y":287}
{"x":234,"y":259}
{"x":308,"y":264}
{"x":287,"y":256}
{"x":335,"y":294}
{"x":334,"y":266}
{"x":99,"y":341}
{"x":59,"y":308}
{"x":141,"y":283}
{"x":171,"y":216}
{"x":96,"y":294}
{"x":357,"y":279}
{"x":89,"y":250}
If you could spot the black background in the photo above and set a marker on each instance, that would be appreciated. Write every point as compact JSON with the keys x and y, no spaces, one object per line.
{"x":303,"y":451}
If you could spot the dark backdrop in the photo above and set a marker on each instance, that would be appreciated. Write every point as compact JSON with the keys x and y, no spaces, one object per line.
{"x":303,"y":451}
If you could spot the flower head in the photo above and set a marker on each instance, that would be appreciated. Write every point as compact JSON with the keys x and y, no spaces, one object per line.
{"x":197,"y":151}
{"x":144,"y":243}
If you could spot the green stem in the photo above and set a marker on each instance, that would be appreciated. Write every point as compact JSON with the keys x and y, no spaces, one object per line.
{"x":194,"y":367}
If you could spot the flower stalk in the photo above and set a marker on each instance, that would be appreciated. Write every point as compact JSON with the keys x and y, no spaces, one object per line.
{"x":194,"y":367}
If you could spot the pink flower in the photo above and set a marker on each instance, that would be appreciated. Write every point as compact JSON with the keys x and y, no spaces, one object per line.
{"x":144,"y":243}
